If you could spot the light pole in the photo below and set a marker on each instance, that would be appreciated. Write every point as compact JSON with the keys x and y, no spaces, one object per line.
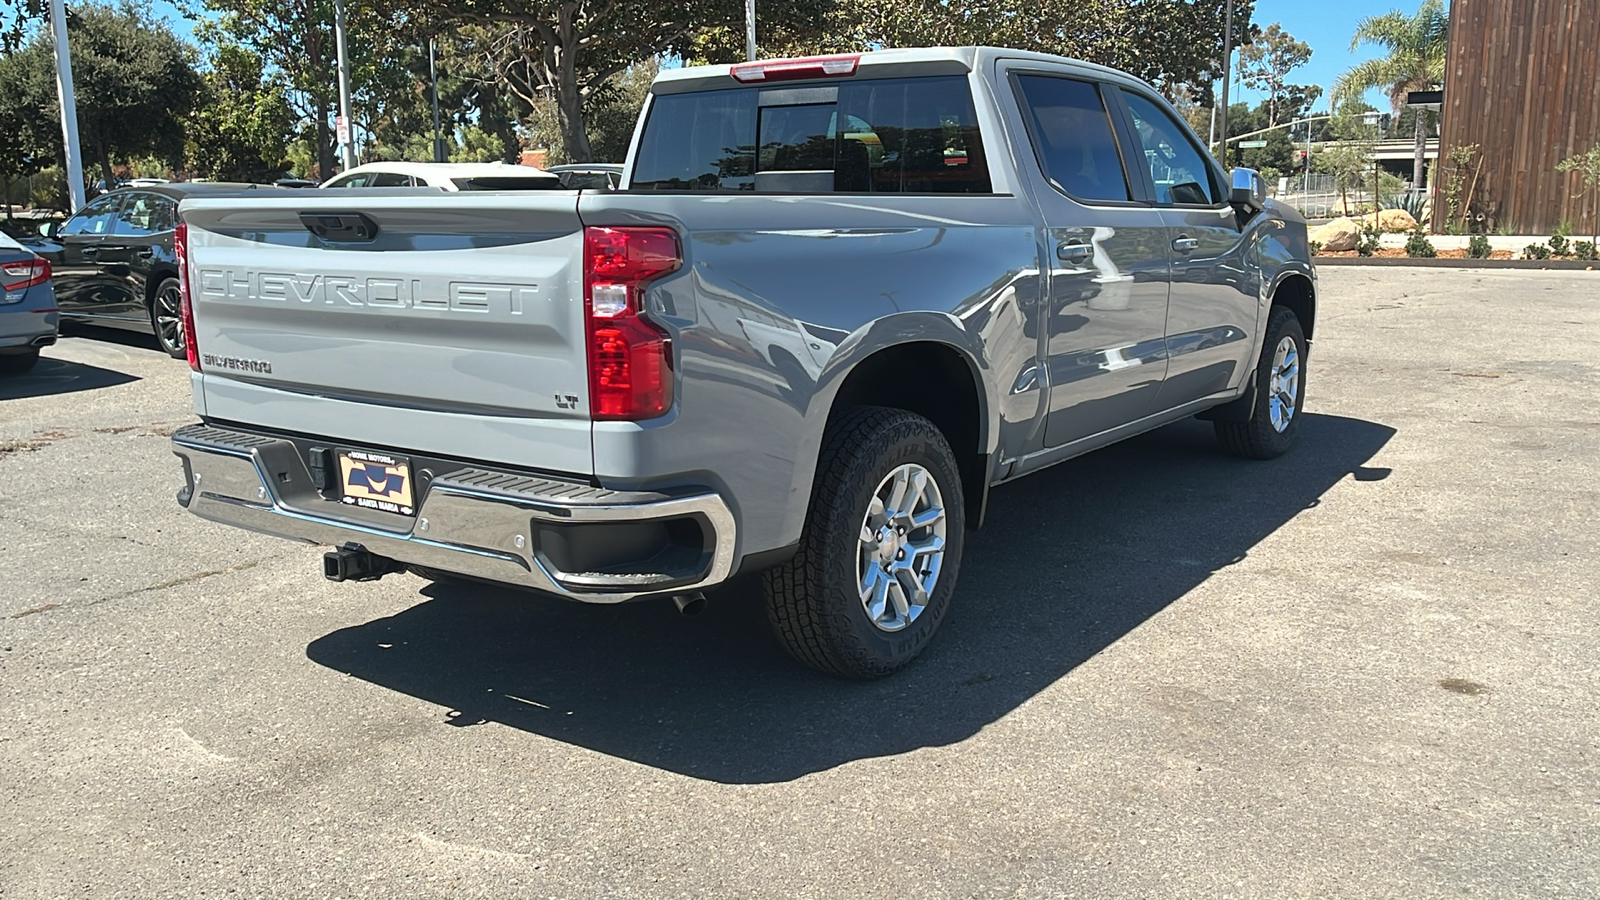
{"x":1371,"y":119}
{"x":347,"y":147}
{"x":1227,"y":76}
{"x":433,"y":77}
{"x":750,"y":30}
{"x":69,"y":106}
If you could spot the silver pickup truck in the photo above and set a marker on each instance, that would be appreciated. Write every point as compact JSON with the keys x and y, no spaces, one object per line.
{"x":834,"y":301}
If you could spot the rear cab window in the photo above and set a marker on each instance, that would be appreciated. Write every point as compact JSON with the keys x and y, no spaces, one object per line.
{"x":901,"y":135}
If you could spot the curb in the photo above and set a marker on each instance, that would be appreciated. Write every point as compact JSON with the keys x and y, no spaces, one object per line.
{"x":1568,"y":265}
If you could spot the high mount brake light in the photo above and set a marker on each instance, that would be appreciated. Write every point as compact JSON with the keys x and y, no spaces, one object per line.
{"x":23,"y":274}
{"x":630,"y":358}
{"x":797,"y":69}
{"x":180,"y":244}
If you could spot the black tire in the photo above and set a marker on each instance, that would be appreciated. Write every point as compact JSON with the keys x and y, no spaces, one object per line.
{"x":18,"y":363}
{"x":813,"y":601}
{"x":1258,"y":438}
{"x":163,"y":306}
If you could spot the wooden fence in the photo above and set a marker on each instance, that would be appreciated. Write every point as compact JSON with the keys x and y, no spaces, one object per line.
{"x":1522,"y":82}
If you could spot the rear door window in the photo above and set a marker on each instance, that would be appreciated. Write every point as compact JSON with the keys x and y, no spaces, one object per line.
{"x":911,"y":135}
{"x":1072,"y":137}
{"x":144,"y":214}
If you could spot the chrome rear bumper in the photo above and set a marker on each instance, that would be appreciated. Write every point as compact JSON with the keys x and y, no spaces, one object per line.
{"x":469,"y":521}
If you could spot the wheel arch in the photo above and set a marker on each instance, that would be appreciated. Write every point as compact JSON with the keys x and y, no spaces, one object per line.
{"x":949,"y":390}
{"x":1296,"y":292}
{"x":158,"y":273}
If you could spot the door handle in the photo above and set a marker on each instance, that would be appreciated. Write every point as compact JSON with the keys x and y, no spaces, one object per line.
{"x":89,"y":251}
{"x":1185,"y":244}
{"x":147,"y":253}
{"x":1076,"y":252}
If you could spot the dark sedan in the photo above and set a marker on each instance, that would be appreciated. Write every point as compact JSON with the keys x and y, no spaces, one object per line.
{"x":114,"y":261}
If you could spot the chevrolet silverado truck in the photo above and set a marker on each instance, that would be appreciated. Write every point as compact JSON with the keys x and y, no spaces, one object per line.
{"x":834,"y":301}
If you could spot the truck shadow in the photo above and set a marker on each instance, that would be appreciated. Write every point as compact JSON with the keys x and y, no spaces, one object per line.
{"x":1071,"y":560}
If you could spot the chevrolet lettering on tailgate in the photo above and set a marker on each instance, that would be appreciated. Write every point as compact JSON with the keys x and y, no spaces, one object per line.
{"x":387,"y":293}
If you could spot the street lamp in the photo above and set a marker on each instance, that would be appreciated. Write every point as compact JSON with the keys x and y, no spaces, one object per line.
{"x":1372,"y":120}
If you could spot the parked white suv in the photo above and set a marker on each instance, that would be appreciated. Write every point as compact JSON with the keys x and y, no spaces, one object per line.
{"x":448,"y":176}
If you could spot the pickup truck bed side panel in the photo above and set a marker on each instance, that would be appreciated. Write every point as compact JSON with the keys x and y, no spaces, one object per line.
{"x":780,"y":297}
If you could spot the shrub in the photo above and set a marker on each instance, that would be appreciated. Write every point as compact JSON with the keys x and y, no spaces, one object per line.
{"x":1559,"y":245}
{"x":1478,"y":247}
{"x":1585,"y":250}
{"x":1536,"y":251}
{"x":1419,"y":247}
{"x":1368,"y":243}
{"x":1314,"y":246}
{"x":1409,"y":201}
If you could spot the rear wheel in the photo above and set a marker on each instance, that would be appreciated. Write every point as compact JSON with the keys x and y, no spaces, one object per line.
{"x":17,"y":363}
{"x":166,"y":317}
{"x":878,"y":560}
{"x":1280,"y":392}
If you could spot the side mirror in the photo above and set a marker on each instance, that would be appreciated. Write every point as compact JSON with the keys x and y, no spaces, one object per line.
{"x":1249,"y":192}
{"x":49,"y":230}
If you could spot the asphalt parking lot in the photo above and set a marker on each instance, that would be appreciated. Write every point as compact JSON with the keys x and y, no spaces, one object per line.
{"x":1368,"y":669}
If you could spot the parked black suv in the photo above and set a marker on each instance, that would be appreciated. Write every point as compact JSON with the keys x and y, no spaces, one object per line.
{"x":114,"y":261}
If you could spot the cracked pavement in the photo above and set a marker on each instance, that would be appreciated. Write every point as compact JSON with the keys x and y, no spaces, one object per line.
{"x":1370,"y":669}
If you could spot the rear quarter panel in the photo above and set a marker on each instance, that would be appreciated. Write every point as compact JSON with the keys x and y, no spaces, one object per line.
{"x":780,"y":297}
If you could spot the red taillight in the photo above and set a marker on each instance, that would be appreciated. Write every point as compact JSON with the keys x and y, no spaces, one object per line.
{"x":630,"y":359}
{"x":795,"y":69}
{"x":23,"y":274}
{"x":180,"y":244}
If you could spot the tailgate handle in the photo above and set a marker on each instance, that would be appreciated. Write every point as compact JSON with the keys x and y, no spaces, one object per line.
{"x":340,"y":227}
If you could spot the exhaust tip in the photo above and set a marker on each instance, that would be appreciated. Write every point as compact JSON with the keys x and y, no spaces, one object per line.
{"x":691,"y":604}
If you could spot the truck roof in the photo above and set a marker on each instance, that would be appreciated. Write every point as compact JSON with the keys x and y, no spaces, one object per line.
{"x":884,"y":64}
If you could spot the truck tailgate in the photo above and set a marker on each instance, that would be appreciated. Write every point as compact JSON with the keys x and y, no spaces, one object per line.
{"x":445,"y":323}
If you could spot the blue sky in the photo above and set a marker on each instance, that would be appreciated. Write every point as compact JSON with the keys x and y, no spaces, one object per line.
{"x":1326,"y":26}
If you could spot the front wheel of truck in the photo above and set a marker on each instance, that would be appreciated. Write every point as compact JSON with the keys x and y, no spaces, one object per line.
{"x":877,"y":562}
{"x":1280,"y":393}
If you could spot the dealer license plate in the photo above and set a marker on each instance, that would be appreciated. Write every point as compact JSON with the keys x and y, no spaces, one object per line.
{"x":376,"y":481}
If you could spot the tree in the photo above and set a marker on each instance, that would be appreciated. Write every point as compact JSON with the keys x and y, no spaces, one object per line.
{"x":1170,"y":43}
{"x":241,"y":128}
{"x":566,"y":50}
{"x":1415,"y":62}
{"x":610,"y":115}
{"x":135,"y":84}
{"x":1265,"y":65}
{"x":1586,"y":166}
{"x":295,"y":40}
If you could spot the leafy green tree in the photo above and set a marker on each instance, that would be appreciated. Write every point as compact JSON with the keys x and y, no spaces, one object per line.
{"x":1416,"y":48}
{"x":611,"y":115}
{"x":1265,"y":65}
{"x":1169,"y":43}
{"x":240,"y":130}
{"x":1586,"y":166}
{"x":295,"y":41}
{"x":135,"y":83}
{"x":566,"y":50}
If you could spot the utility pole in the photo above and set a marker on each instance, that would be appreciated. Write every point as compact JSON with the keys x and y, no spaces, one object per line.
{"x":347,"y":148}
{"x":433,"y":75}
{"x":1227,"y":76}
{"x":750,"y":30}
{"x":69,"y":106}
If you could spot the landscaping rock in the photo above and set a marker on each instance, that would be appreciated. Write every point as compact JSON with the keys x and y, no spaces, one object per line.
{"x":1395,"y":221}
{"x":1340,"y":234}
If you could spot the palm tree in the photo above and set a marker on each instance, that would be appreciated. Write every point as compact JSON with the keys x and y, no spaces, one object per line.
{"x":1417,"y":46}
